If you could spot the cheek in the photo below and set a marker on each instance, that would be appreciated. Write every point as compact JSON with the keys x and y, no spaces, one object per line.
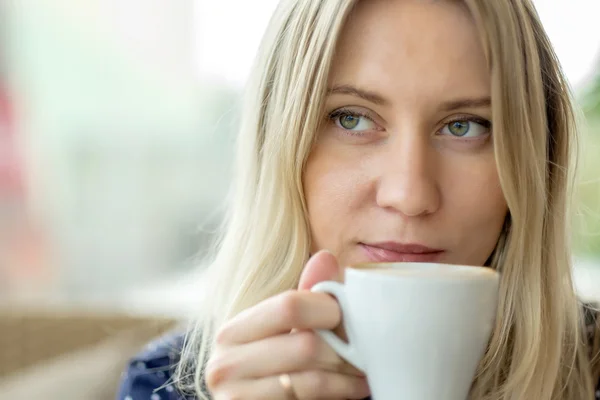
{"x":332,"y":188}
{"x":478,"y":206}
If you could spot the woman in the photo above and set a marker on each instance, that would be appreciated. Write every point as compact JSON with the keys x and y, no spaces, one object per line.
{"x":404,"y":130}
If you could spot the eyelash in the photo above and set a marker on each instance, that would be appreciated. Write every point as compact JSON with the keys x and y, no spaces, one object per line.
{"x":461,"y":118}
{"x":481,"y":121}
{"x":344,"y":111}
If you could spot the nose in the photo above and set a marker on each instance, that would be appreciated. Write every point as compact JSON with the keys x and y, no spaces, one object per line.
{"x":407,"y":183}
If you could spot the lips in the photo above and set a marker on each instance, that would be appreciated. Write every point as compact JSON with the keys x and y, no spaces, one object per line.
{"x":400,"y":252}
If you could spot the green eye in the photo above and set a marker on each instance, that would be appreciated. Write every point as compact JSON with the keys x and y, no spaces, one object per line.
{"x":467,"y":128}
{"x":459,"y":128}
{"x":349,"y":121}
{"x":353,"y":122}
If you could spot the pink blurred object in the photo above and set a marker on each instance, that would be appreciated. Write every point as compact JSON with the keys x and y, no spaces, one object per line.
{"x":23,"y":257}
{"x":11,"y":176}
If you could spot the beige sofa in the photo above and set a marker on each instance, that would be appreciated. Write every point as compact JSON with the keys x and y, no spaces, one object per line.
{"x":64,"y":355}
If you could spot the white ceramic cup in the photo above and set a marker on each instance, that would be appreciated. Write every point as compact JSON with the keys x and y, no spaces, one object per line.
{"x":417,"y":330}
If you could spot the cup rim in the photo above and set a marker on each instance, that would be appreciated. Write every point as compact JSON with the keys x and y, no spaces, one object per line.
{"x":470,"y":270}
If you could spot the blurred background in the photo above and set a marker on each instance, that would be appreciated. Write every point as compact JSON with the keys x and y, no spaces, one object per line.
{"x":116,"y":126}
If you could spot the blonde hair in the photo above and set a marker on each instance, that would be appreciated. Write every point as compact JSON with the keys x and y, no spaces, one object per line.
{"x":536,"y":350}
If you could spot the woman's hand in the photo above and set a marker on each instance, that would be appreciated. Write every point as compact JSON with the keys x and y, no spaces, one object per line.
{"x":276,"y":337}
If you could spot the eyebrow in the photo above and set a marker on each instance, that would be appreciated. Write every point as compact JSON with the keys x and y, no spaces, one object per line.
{"x":375,"y":98}
{"x":361,"y":93}
{"x":477,"y":102}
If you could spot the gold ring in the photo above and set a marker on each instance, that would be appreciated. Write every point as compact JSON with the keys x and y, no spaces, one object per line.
{"x":288,"y":388}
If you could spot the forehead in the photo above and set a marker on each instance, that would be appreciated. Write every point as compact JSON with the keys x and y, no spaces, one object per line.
{"x":411,"y":46}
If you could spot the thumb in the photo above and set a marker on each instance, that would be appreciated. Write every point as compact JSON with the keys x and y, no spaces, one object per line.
{"x":322,"y":266}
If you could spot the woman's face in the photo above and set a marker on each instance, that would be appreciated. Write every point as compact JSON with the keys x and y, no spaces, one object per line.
{"x":404,"y":167}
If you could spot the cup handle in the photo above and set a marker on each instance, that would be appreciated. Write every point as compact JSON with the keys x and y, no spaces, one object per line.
{"x":345,"y":350}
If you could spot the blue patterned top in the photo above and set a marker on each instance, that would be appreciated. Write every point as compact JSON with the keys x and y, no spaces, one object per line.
{"x":148,"y":375}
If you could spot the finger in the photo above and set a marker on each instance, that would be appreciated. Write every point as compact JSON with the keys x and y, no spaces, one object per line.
{"x":286,"y":308}
{"x":323,"y":266}
{"x":326,"y":385}
{"x":298,"y":351}
{"x":280,"y":314}
{"x":306,"y":385}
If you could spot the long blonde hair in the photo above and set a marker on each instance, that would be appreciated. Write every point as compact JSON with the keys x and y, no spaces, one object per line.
{"x":536,"y":350}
